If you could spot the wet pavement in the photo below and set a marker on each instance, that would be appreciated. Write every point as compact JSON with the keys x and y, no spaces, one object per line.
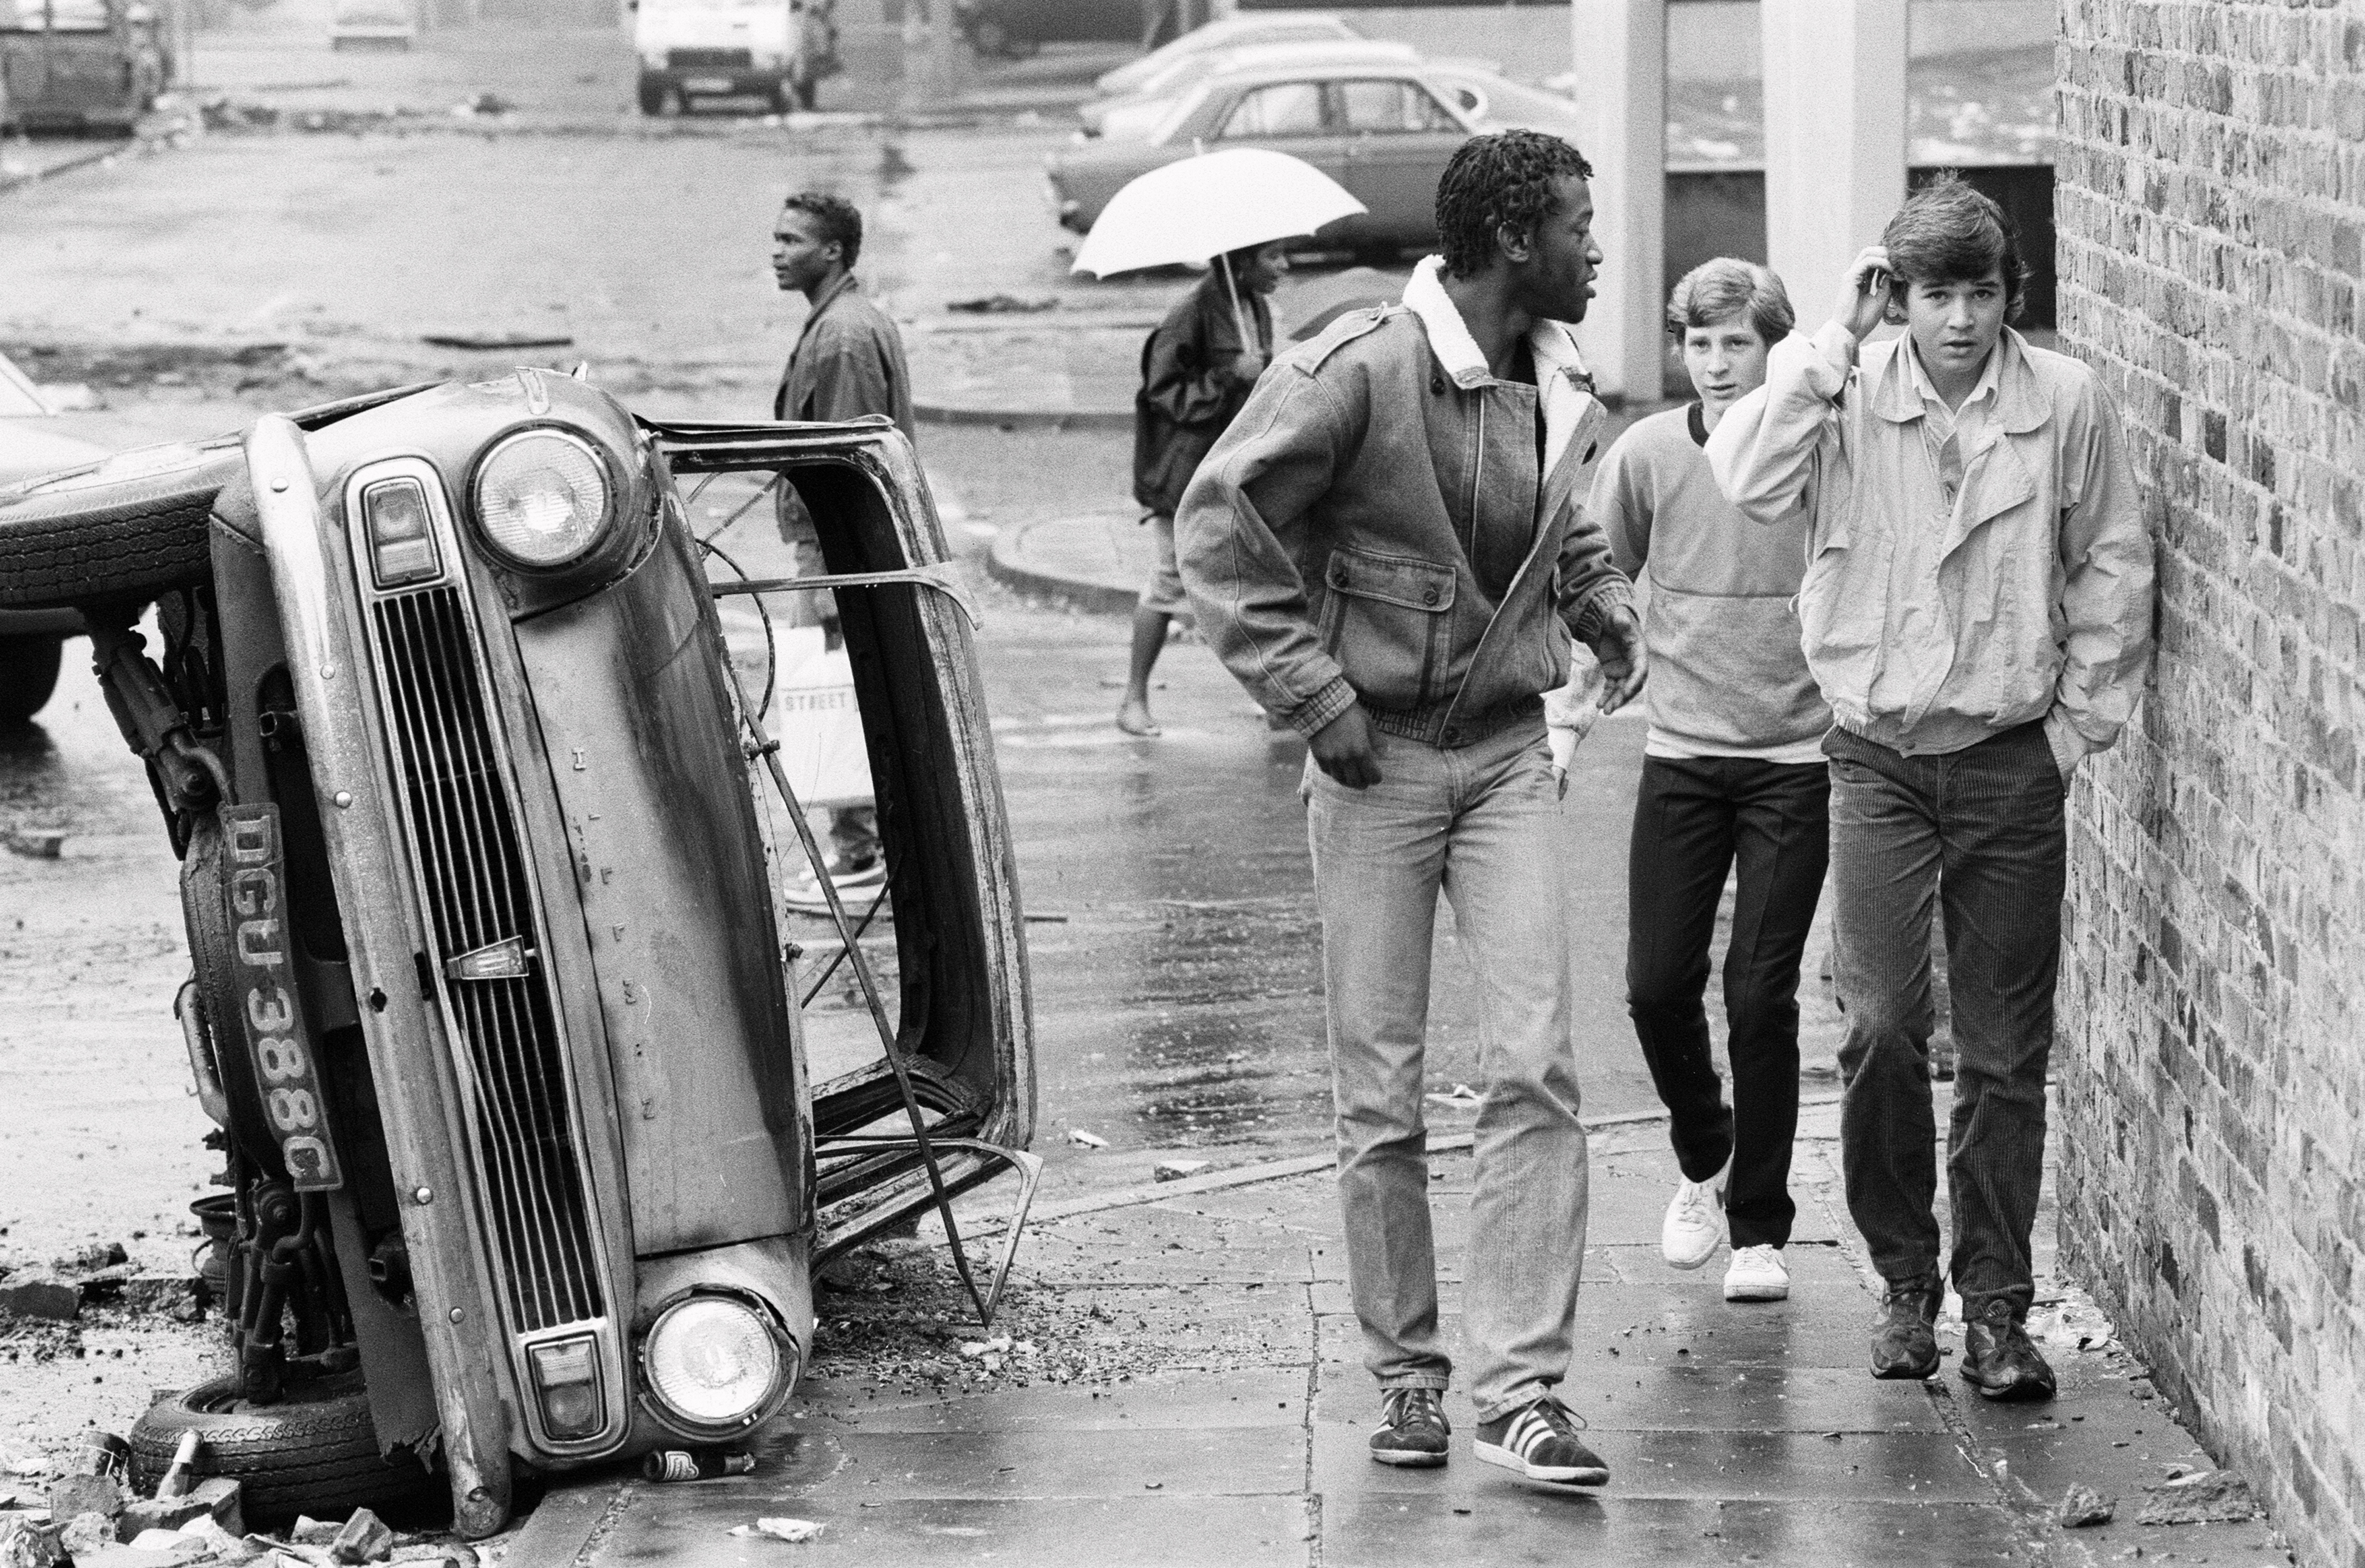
{"x":1735,"y":1433}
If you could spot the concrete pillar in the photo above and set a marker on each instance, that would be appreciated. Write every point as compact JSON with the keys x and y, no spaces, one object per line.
{"x":1834,"y":138}
{"x":1619,"y":51}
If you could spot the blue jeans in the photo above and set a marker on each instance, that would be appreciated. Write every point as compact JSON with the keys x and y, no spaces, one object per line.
{"x":1981,"y":833}
{"x":1479,"y":824}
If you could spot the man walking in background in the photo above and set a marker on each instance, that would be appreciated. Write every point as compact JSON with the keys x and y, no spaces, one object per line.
{"x":848,"y":362}
{"x":1733,"y":778}
{"x":1196,"y":369}
{"x":1977,"y":609}
{"x":1389,"y":549}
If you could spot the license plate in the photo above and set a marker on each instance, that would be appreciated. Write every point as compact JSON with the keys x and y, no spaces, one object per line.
{"x":269,"y":1015}
{"x":706,"y":84}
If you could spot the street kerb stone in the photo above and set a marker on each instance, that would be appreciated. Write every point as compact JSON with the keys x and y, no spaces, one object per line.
{"x":1098,"y":561}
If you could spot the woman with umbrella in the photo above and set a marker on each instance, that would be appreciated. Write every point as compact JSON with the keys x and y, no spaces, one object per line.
{"x":1196,"y":369}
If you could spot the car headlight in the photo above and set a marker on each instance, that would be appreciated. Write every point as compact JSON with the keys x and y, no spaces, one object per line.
{"x":715,"y":1361}
{"x":542,"y":497}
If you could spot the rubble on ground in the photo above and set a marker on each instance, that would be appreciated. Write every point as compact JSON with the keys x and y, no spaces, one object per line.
{"x":2210,"y":1496}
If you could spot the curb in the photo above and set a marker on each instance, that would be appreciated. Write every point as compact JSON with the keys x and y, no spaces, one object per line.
{"x":1024,"y":419}
{"x":83,"y":161}
{"x":1006,"y":563}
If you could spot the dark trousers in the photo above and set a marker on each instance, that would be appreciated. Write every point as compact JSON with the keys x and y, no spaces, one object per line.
{"x":1980,"y":834}
{"x":1694,"y":819}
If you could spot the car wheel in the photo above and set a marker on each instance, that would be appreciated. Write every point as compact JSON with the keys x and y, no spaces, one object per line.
{"x":29,"y":674}
{"x":315,"y":1452}
{"x":988,"y":36}
{"x":652,"y":97}
{"x":128,"y":528}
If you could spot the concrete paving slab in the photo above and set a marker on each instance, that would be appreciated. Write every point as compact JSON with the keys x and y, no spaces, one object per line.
{"x":793,"y":1468}
{"x":1815,"y":1266}
{"x":1758,"y":1466}
{"x":1057,"y":1261}
{"x":1264,"y":1397}
{"x":1628,"y":1198}
{"x":1513,"y":1526}
{"x":1694,"y":1322}
{"x":1705,"y":1399}
{"x":1148,"y":1531}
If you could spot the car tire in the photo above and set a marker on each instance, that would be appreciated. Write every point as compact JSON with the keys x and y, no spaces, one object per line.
{"x":28,"y":675}
{"x":88,"y":537}
{"x":652,"y":97}
{"x":988,"y":36}
{"x":316,"y":1452}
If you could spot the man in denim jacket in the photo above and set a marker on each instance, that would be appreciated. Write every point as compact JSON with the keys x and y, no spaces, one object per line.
{"x":1977,"y":609}
{"x":1388,"y":548}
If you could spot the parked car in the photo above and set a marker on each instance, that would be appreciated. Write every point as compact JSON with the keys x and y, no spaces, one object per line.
{"x":1382,"y":130}
{"x":1135,"y":115}
{"x":371,"y":24}
{"x":491,"y":1008}
{"x":77,"y":65}
{"x":1496,"y":102}
{"x":1242,"y":30}
{"x":32,"y":641}
{"x":1019,"y":27}
{"x":778,"y":50}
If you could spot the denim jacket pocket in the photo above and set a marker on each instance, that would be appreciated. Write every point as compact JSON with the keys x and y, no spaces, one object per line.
{"x":1386,"y":624}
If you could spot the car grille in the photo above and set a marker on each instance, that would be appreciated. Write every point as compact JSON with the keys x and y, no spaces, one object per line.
{"x":708,"y":58}
{"x":473,"y":873}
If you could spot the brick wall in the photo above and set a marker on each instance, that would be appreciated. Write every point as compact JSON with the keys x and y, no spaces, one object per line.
{"x":2211,"y":207}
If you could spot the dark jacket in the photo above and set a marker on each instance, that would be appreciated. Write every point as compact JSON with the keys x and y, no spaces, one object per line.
{"x":1188,"y":395}
{"x":848,"y":362}
{"x":1326,"y":542}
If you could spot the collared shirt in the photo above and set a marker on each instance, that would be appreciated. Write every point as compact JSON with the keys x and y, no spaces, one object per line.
{"x":1952,"y":434}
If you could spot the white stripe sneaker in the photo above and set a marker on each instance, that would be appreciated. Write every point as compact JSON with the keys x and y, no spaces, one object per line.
{"x":1756,"y":1273}
{"x":1694,"y":1227}
{"x":1539,"y":1440}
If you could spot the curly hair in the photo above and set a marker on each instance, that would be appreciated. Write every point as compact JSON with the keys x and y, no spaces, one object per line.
{"x":1949,"y":233}
{"x":1502,"y":178}
{"x":837,"y":219}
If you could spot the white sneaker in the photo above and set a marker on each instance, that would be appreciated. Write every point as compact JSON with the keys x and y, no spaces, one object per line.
{"x":1694,"y":1228}
{"x":1756,"y":1273}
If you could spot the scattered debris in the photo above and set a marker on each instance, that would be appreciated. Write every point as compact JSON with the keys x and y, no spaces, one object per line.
{"x":78,"y":1495}
{"x":309,"y":1532}
{"x":2212,"y":1497}
{"x":2081,"y":1506}
{"x":26,"y":1544}
{"x":177,"y":1474}
{"x":86,"y":1533}
{"x":499,"y":341}
{"x":1176,"y":1169}
{"x":486,"y":103}
{"x":1089,"y":1140}
{"x":790,"y":1531}
{"x":50,"y":1300}
{"x":1461,"y":1096}
{"x":364,"y":1538}
{"x":1003,"y":305}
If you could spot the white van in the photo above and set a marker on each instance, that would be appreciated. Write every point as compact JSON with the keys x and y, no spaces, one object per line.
{"x":775,"y":49}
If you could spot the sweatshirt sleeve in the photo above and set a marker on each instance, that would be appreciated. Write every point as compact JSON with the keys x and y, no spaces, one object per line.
{"x":1621,"y":502}
{"x":1763,"y":452}
{"x":2106,"y":596}
{"x":1590,"y":584}
{"x":1239,"y":534}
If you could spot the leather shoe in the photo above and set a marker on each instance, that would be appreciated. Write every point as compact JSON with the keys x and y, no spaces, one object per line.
{"x":1904,"y":1337}
{"x":1999,"y":1358}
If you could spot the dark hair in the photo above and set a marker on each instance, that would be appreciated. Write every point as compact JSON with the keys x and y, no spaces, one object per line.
{"x":1949,"y":233}
{"x":1714,"y":290}
{"x":1502,"y":178}
{"x":838,"y":219}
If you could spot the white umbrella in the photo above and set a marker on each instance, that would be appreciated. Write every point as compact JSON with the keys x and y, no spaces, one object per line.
{"x":1201,"y":208}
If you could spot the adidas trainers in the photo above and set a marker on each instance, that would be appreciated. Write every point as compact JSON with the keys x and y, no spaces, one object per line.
{"x":1413,"y":1429}
{"x":1539,"y":1440}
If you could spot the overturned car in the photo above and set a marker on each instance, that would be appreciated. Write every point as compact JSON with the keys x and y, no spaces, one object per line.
{"x":494,"y":1003}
